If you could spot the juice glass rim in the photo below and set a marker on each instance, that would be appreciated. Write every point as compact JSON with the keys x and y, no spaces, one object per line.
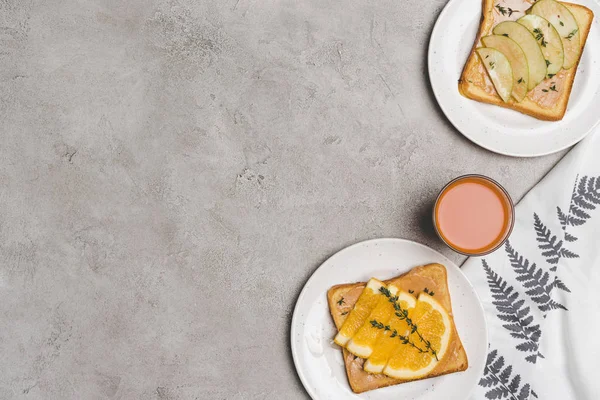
{"x":510,"y":204}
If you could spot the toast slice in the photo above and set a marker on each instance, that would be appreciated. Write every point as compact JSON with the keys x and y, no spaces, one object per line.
{"x":433,"y":277}
{"x":540,"y":102}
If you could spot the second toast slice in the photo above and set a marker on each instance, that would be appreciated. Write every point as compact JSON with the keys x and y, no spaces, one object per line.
{"x":541,"y":102}
{"x":433,"y":277}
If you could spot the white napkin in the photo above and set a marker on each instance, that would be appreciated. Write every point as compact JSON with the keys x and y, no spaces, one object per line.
{"x":541,"y":292}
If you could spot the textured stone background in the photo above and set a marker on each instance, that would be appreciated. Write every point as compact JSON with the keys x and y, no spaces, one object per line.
{"x":172,"y":171}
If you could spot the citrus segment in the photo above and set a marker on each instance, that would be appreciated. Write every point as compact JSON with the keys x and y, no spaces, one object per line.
{"x":363,"y":307}
{"x":426,"y":346}
{"x":363,"y":341}
{"x":387,"y":345}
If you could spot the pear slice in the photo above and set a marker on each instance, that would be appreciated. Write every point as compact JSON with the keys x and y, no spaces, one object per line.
{"x":531,"y":48}
{"x":499,"y":69}
{"x":566,"y":25}
{"x":516,"y":58}
{"x":549,"y":40}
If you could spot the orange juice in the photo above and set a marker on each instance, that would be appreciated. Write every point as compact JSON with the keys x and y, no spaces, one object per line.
{"x":473,"y":215}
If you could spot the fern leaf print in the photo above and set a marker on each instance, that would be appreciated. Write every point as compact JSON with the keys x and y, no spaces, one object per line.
{"x":585,"y":198}
{"x":499,"y":380}
{"x":519,"y":321}
{"x":516,"y":308}
{"x":552,"y":248}
{"x":534,"y":279}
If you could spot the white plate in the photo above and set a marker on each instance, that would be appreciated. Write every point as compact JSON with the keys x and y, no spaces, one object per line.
{"x":319,"y":361}
{"x":497,"y":129}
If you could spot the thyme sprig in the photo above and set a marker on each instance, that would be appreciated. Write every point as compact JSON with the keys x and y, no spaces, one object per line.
{"x":403,"y":339}
{"x":506,"y":10}
{"x":573,"y":32}
{"x":539,"y":35}
{"x":402,"y":313}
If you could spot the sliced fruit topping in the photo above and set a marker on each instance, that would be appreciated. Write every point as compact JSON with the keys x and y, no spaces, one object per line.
{"x":566,"y":25}
{"x":414,"y":359}
{"x":548,"y":39}
{"x":363,"y":342}
{"x":389,"y":342}
{"x":499,"y":70}
{"x":531,"y":48}
{"x":363,"y":307}
{"x":516,"y":58}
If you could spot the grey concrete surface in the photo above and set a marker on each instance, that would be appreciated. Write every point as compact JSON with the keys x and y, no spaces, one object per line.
{"x":172,"y":171}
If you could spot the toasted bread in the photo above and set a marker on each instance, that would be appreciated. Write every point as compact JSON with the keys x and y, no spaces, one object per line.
{"x":433,"y":277}
{"x":540,"y":102}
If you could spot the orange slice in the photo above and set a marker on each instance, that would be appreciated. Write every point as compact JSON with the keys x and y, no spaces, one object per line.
{"x":388,"y":342}
{"x":364,"y":305}
{"x":363,"y":342}
{"x":434,"y":325}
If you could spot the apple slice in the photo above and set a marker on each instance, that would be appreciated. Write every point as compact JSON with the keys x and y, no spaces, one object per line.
{"x":531,"y":48}
{"x":549,"y":40}
{"x":566,"y":25}
{"x":516,"y":58}
{"x":499,"y":69}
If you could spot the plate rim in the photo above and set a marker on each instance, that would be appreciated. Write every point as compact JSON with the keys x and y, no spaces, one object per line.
{"x":430,"y":57}
{"x":293,"y":329}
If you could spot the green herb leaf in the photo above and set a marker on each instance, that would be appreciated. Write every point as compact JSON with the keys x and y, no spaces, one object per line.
{"x":520,"y":80}
{"x":570,"y":36}
{"x":507,"y":10}
{"x":505,"y":34}
{"x":385,"y":291}
{"x":561,"y":23}
{"x":539,"y":35}
{"x":344,"y":313}
{"x":402,"y":314}
{"x":376,"y":324}
{"x":548,"y":63}
{"x":341,"y":301}
{"x":553,"y":88}
{"x":545,"y":90}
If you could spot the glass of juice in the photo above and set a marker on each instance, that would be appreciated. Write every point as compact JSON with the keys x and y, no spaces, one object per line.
{"x":474,"y":215}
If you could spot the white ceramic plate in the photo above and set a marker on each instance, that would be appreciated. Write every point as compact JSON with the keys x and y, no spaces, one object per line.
{"x":319,"y":361}
{"x":497,"y":129}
